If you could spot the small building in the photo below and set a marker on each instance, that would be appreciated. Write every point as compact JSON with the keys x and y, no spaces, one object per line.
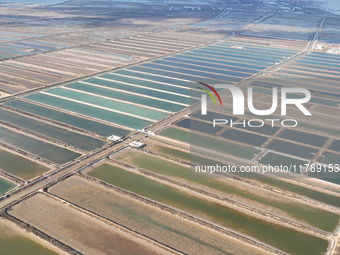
{"x":137,"y":144}
{"x":150,"y":133}
{"x":113,"y":138}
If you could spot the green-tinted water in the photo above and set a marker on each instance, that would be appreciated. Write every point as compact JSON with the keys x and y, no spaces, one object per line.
{"x":69,"y":137}
{"x":94,"y":112}
{"x":313,"y":194}
{"x":283,"y":238}
{"x":172,"y":152}
{"x":108,"y":103}
{"x":322,"y":197}
{"x":20,"y":166}
{"x":138,"y":99}
{"x":97,"y":127}
{"x":315,"y":217}
{"x":5,"y":186}
{"x":42,"y":149}
{"x":211,"y":143}
{"x":274,"y":159}
{"x":12,"y":243}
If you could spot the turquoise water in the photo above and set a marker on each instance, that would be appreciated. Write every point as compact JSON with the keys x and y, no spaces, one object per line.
{"x":229,"y":64}
{"x":16,"y":52}
{"x":161,"y":73}
{"x":169,"y":80}
{"x":237,"y":52}
{"x":97,"y":127}
{"x":239,"y":56}
{"x":14,"y":46}
{"x":42,"y":149}
{"x":36,"y":46}
{"x":108,"y":103}
{"x":69,"y":137}
{"x":302,"y":69}
{"x":201,"y":24}
{"x":50,"y":44}
{"x":318,"y":63}
{"x":194,"y":63}
{"x":192,"y":73}
{"x":260,"y":48}
{"x":8,"y":39}
{"x":127,"y":97}
{"x":147,"y":84}
{"x":224,"y":58}
{"x":115,"y":118}
{"x":314,"y":99}
{"x":143,"y":91}
{"x":311,"y":75}
{"x":203,"y":68}
{"x":4,"y":56}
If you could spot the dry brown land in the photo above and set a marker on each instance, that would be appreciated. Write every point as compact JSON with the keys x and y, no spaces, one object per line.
{"x":82,"y":232}
{"x":165,"y":228}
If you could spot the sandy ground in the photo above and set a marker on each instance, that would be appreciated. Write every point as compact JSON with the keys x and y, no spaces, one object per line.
{"x":80,"y":231}
{"x":3,"y":94}
{"x":152,"y":222}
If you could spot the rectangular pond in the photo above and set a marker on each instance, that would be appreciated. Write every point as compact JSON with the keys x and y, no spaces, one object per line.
{"x":286,"y":239}
{"x":302,"y":137}
{"x":275,"y":159}
{"x":170,"y":169}
{"x":15,"y":241}
{"x":335,"y":145}
{"x":244,"y":137}
{"x":112,"y":117}
{"x":140,"y":90}
{"x":210,"y":142}
{"x":5,"y":186}
{"x":109,"y":104}
{"x":40,"y":148}
{"x":292,"y":149}
{"x":20,"y":166}
{"x":195,"y":125}
{"x":138,"y":99}
{"x":64,"y":135}
{"x":90,"y":125}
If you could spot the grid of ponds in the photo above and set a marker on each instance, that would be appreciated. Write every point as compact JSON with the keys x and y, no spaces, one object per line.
{"x":117,"y":102}
{"x":295,"y":27}
{"x":37,"y":147}
{"x":318,"y":72}
{"x":42,"y":128}
{"x":63,"y":117}
{"x":24,"y":48}
{"x":137,"y":96}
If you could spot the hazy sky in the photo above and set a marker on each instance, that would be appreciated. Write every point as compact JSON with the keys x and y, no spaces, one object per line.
{"x":334,"y":5}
